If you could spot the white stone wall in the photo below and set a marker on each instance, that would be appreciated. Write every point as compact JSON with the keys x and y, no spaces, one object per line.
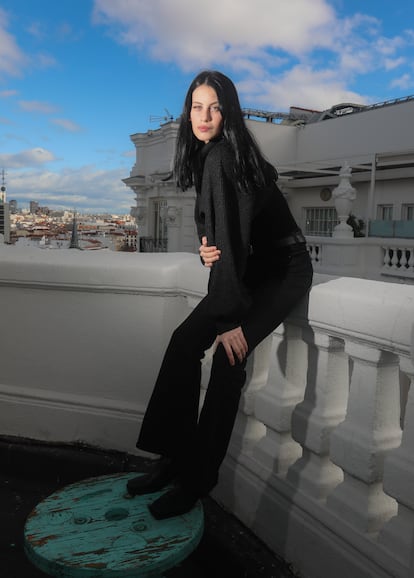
{"x":320,"y":464}
{"x":81,"y":338}
{"x":154,"y":150}
{"x":358,"y":136}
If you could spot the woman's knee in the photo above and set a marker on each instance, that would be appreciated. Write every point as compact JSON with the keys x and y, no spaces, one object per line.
{"x":223,"y":374}
{"x":185,"y":344}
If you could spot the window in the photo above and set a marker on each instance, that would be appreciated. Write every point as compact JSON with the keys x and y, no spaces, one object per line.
{"x":408,"y":212}
{"x":320,"y":221}
{"x":158,"y":242}
{"x":160,"y":226}
{"x":384,"y":212}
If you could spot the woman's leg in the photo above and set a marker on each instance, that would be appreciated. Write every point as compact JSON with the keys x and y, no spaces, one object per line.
{"x":170,"y":421}
{"x":272,"y":302}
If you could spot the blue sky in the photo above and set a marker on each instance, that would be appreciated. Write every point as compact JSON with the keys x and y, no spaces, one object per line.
{"x":78,"y":77}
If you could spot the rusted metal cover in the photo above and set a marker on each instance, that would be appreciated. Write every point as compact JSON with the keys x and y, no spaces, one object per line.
{"x":94,"y":529}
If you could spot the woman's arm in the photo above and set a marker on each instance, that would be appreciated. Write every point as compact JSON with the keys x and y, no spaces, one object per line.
{"x":227,"y":214}
{"x":233,"y":341}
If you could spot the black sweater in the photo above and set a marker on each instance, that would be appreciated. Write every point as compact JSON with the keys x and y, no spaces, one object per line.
{"x":244,"y":225}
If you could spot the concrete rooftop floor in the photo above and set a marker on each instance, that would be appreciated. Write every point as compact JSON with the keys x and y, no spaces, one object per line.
{"x":32,"y":471}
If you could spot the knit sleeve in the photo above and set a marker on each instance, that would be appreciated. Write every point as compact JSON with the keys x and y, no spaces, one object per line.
{"x":228,"y":215}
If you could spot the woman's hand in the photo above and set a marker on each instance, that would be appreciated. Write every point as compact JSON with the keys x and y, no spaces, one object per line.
{"x":208,"y":254}
{"x":233,"y":342}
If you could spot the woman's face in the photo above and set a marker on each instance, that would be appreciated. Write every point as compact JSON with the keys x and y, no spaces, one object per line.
{"x":205,"y":116}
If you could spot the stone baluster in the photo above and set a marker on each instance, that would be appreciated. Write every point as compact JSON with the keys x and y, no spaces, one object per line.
{"x":410,"y":261}
{"x":404,"y":259}
{"x":322,"y":409}
{"x":387,"y":259}
{"x":314,"y":252}
{"x":247,"y":429}
{"x":274,"y":403}
{"x":397,"y":535}
{"x":359,"y":443}
{"x":394,"y":258}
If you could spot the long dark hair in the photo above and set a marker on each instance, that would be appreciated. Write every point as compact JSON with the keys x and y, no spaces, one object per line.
{"x":251,"y":170}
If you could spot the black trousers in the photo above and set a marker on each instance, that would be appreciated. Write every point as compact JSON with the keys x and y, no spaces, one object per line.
{"x":173,"y":425}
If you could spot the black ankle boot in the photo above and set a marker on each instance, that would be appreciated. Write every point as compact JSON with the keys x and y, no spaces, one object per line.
{"x":175,"y":502}
{"x":163,"y":472}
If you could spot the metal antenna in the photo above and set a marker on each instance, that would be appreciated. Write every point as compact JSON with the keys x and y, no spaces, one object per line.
{"x":167,"y":117}
{"x":3,"y":187}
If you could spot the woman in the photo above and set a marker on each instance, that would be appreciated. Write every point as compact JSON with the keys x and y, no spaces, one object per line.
{"x":259,"y":270}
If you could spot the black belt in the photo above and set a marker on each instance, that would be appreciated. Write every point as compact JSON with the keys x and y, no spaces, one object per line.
{"x":293,"y":239}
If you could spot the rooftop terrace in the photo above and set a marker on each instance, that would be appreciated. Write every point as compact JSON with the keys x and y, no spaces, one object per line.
{"x":320,"y":465}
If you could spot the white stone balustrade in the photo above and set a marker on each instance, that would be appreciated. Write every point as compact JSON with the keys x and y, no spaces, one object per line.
{"x":364,"y":257}
{"x":398,"y":259}
{"x":321,"y":463}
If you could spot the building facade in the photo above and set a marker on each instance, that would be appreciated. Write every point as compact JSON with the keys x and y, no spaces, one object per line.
{"x":164,"y":214}
{"x":373,"y":143}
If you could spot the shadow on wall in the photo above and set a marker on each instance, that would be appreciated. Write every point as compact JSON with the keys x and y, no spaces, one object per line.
{"x":293,"y":397}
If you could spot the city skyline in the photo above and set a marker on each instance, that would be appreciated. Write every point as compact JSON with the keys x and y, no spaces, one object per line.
{"x":78,"y":77}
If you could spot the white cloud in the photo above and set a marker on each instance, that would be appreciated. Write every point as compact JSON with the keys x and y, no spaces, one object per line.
{"x":196,"y":35}
{"x":37,"y":30}
{"x":301,"y":86}
{"x":388,"y":46}
{"x":86,"y":188}
{"x":37,"y":106}
{"x":66,"y":124}
{"x":29,"y":158}
{"x":4,"y":120}
{"x":129,"y":154}
{"x":392,"y":63}
{"x":267,"y":42}
{"x":8,"y":93}
{"x":44,"y":60}
{"x":12,"y":58}
{"x":404,"y":82}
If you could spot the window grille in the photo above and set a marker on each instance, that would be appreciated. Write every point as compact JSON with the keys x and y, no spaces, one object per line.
{"x":159,"y":223}
{"x":320,"y":221}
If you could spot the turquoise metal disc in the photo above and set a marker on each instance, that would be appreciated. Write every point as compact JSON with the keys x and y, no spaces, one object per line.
{"x":94,"y":529}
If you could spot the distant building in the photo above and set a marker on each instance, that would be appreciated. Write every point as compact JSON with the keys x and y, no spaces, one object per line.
{"x":4,"y":214}
{"x":129,"y":240}
{"x":13,"y":206}
{"x":34,"y":207}
{"x":4,"y":223}
{"x":74,"y":241}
